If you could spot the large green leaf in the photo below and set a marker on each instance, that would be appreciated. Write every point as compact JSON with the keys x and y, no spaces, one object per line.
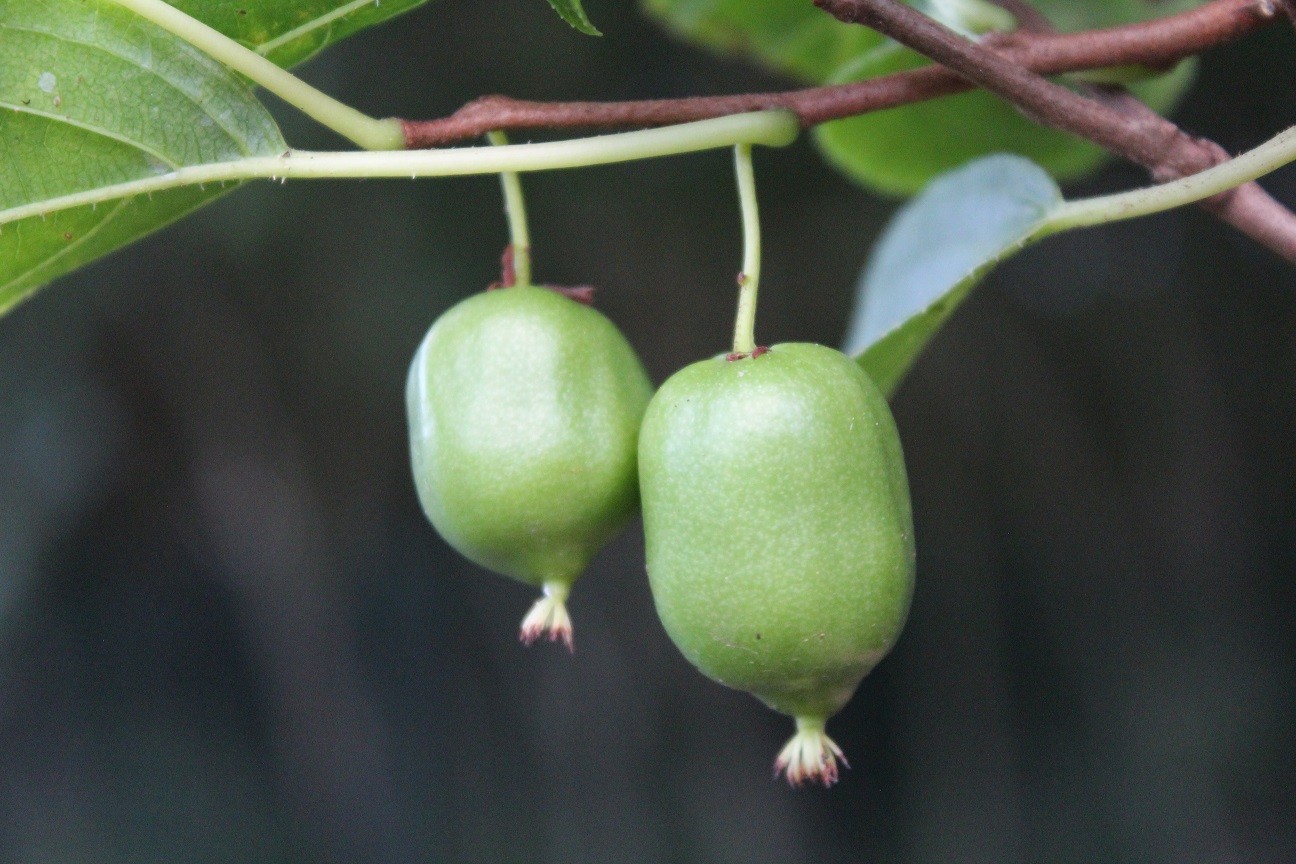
{"x":934,"y":252}
{"x":289,"y":31}
{"x":898,"y":151}
{"x":91,"y":95}
{"x":99,"y":96}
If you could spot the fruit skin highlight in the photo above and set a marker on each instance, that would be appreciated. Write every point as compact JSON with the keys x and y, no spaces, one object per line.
{"x":779,"y":531}
{"x":524,"y":411}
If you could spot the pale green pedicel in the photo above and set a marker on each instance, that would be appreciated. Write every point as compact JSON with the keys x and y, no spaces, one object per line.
{"x":744,"y":341}
{"x":35,"y":224}
{"x":524,"y":410}
{"x":778,"y":527}
{"x":1255,"y":163}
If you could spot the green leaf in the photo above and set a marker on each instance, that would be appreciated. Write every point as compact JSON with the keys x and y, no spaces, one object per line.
{"x":935,"y":251}
{"x":573,"y":13}
{"x":99,"y":96}
{"x":898,"y":151}
{"x":1069,"y":16}
{"x":795,"y":38}
{"x":91,"y":95}
{"x":290,"y":31}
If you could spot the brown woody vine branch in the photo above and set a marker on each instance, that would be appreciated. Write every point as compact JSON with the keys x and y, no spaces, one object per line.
{"x":1012,"y":65}
{"x":1124,"y":127}
{"x":1157,"y":43}
{"x":1268,"y":222}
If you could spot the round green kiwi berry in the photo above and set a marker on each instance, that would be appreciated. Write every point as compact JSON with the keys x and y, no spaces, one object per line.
{"x":524,"y":411}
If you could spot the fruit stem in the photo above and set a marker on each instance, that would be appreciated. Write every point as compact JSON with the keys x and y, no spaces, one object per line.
{"x":363,"y":130}
{"x":749,"y":279}
{"x":549,"y":618}
{"x":515,"y":209}
{"x":810,"y":756}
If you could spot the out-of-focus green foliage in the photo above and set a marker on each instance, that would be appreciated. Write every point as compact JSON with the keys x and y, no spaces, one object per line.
{"x":900,"y":150}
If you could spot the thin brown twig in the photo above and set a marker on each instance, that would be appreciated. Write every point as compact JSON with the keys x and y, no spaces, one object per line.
{"x":1157,"y":43}
{"x":1269,"y":220}
{"x":1128,"y":129}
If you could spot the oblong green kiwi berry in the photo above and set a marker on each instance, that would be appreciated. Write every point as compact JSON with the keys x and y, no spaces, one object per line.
{"x":779,"y":532}
{"x":524,"y":411}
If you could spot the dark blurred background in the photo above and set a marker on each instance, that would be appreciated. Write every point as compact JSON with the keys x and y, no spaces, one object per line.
{"x":228,"y":634}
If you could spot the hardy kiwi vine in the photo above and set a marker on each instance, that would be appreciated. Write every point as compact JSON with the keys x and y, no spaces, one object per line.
{"x":567,"y":397}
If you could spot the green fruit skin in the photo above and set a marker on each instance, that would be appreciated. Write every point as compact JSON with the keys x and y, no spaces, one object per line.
{"x":778,"y":524}
{"x":524,"y":411}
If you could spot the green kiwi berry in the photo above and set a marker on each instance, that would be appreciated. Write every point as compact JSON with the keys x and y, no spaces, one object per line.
{"x":779,"y":532}
{"x":524,"y":412}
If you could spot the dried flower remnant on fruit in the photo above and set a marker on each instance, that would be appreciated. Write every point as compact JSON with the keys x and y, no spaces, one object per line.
{"x":810,"y":756}
{"x":548,"y":618}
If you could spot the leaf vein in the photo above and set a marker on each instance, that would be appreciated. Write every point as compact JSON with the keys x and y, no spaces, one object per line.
{"x":69,"y":249}
{"x":96,"y":129}
{"x":242,"y":144}
{"x":265,"y":48}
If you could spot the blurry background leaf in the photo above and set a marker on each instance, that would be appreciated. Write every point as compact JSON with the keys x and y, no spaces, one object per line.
{"x":898,"y":151}
{"x":935,"y":250}
{"x":574,"y":14}
{"x":795,"y":38}
{"x":93,"y":96}
{"x":1068,"y":15}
